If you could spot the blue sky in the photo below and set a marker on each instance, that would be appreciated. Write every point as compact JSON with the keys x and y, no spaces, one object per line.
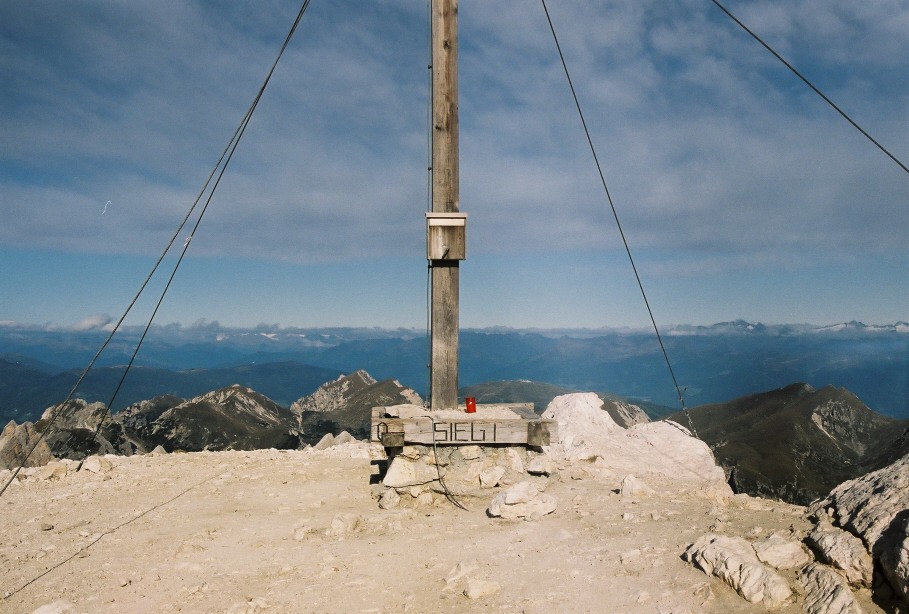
{"x":741,"y":193}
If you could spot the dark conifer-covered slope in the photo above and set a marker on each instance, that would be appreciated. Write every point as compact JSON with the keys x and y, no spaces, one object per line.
{"x":796,"y":443}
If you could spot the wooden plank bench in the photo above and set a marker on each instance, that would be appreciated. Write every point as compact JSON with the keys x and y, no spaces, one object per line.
{"x":514,"y":424}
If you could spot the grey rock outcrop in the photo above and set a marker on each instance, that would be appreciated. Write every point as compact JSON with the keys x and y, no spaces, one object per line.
{"x":346,"y":403}
{"x":733,"y":560}
{"x":15,"y":442}
{"x":843,"y":551}
{"x":624,"y":414}
{"x":826,"y":591}
{"x":71,"y":429}
{"x":232,"y":418}
{"x":875,"y":507}
{"x":334,"y":395}
{"x":780,"y":552}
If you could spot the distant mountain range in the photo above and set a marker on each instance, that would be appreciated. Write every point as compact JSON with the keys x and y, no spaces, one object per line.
{"x":713,"y":363}
{"x":793,"y":443}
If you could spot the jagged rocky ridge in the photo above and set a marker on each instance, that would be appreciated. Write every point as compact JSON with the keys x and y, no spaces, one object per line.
{"x":231,"y":418}
{"x":346,"y":405}
{"x":793,"y":444}
{"x":797,"y":443}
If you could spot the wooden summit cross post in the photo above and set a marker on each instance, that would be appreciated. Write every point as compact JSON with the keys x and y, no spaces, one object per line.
{"x":506,"y":424}
{"x":446,"y":227}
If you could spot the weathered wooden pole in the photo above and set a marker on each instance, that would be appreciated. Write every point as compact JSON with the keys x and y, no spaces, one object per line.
{"x":445,"y":200}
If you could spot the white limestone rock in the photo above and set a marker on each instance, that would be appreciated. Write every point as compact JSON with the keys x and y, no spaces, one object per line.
{"x":732,"y":559}
{"x":342,"y":438}
{"x":634,"y":487}
{"x":826,"y":592}
{"x":489,"y":478}
{"x":523,"y":500}
{"x":56,"y":470}
{"x":663,"y":448}
{"x":779,"y":552}
{"x":97,"y":464}
{"x":541,"y":465}
{"x":844,"y":551}
{"x":390,"y":499}
{"x":327,"y":441}
{"x":344,"y":524}
{"x":875,"y":507}
{"x":514,"y":460}
{"x":403,"y":472}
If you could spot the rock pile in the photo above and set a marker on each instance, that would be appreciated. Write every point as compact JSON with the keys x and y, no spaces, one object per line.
{"x":421,"y":475}
{"x":589,"y":442}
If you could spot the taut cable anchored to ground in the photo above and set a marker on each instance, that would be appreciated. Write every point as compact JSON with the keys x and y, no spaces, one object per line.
{"x":811,"y":85}
{"x":679,"y":390}
{"x":223,"y":161}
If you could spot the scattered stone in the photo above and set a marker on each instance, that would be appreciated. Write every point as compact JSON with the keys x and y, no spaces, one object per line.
{"x":53,"y":471}
{"x":251,"y":606}
{"x":780,"y":553}
{"x":46,"y":526}
{"x":523,"y":500}
{"x":633,"y":487}
{"x":574,"y":472}
{"x":733,"y":560}
{"x":541,"y":465}
{"x":343,"y":524}
{"x":459,"y":571}
{"x":630,"y":558}
{"x":97,"y":464}
{"x":57,"y":607}
{"x":480,"y":588}
{"x":489,"y":478}
{"x":327,"y":441}
{"x":844,"y":551}
{"x":826,"y":592}
{"x":390,"y":499}
{"x":412,"y":452}
{"x":302,"y":532}
{"x":158,"y":451}
{"x":514,"y":460}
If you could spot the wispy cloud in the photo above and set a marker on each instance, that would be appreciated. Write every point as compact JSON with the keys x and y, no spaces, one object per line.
{"x":707,"y":144}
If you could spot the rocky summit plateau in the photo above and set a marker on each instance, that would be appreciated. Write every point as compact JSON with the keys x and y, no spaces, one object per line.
{"x":637,"y":519}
